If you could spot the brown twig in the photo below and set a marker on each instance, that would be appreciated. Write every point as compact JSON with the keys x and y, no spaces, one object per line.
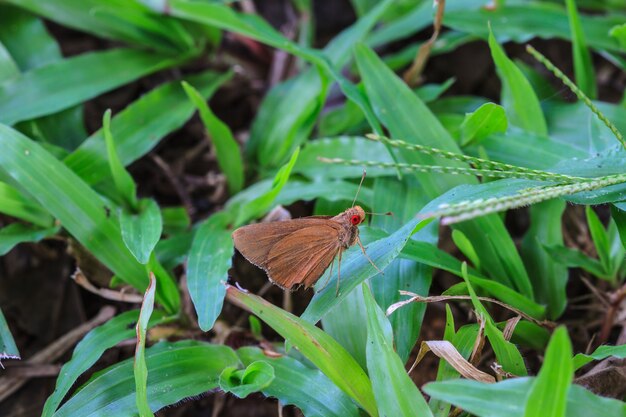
{"x":609,"y":318}
{"x":53,"y":351}
{"x":106,"y":293}
{"x":437,"y":299}
{"x":411,"y":76}
{"x":185,"y":198}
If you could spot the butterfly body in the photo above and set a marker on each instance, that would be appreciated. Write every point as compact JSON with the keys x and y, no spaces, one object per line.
{"x":297,"y":252}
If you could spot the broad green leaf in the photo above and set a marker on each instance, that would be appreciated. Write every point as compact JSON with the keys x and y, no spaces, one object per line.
{"x":401,"y":274}
{"x":79,"y":209}
{"x":307,"y":388}
{"x":226,"y":148}
{"x":618,"y":212}
{"x":177,"y":371}
{"x":583,"y":66}
{"x":345,"y":147}
{"x":243,"y":382}
{"x":89,"y":350}
{"x":315,"y":345}
{"x":27,"y":40}
{"x":407,"y":118}
{"x":346,"y":323}
{"x":210,"y":258}
{"x":175,"y":220}
{"x":619,"y":33}
{"x":395,"y":392}
{"x":16,"y":233}
{"x":263,"y":203}
{"x":516,"y":20}
{"x":124,"y":183}
{"x":518,"y":97}
{"x":600,"y":237}
{"x":574,"y":258}
{"x":548,"y":275}
{"x":114,"y":19}
{"x":487,"y":119}
{"x":140,"y":369}
{"x":8,"y":348}
{"x":141,"y":231}
{"x":600,"y":353}
{"x":503,"y":399}
{"x":8,"y":67}
{"x":356,"y":268}
{"x":465,"y":246}
{"x":48,"y":89}
{"x":548,"y":394}
{"x":140,"y":127}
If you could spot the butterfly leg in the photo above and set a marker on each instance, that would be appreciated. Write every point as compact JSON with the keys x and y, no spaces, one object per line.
{"x":330,"y":274}
{"x":358,"y":240}
{"x":338,"y":274}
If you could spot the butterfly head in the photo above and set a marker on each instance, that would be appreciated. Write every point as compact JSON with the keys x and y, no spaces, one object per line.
{"x":356,"y":215}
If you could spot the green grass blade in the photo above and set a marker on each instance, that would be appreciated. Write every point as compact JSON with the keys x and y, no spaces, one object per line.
{"x":600,"y":353}
{"x":210,"y":258}
{"x":177,"y":371}
{"x":139,"y":365}
{"x":263,"y":203}
{"x":8,"y":348}
{"x":548,"y":394}
{"x":401,"y":274}
{"x":48,"y":89}
{"x":142,"y":231}
{"x":506,"y":353}
{"x":226,"y":148}
{"x":503,"y":398}
{"x":318,"y":347}
{"x":306,"y":388}
{"x":140,"y":127}
{"x":583,"y":66}
{"x":514,"y":21}
{"x":548,"y":275}
{"x":487,"y":119}
{"x":17,"y":204}
{"x":114,"y":19}
{"x":518,"y":97}
{"x":395,"y":392}
{"x":89,"y":350}
{"x":16,"y":233}
{"x":124,"y":183}
{"x":31,"y":45}
{"x":600,"y":238}
{"x":79,"y":209}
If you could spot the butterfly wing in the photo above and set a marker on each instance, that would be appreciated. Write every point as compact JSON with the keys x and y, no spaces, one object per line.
{"x":254,"y":241}
{"x":302,"y":257}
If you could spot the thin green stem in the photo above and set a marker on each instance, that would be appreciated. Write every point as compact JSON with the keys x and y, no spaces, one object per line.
{"x":557,"y":73}
{"x":440,"y":169}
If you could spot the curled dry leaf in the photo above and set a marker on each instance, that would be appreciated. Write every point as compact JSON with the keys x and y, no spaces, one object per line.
{"x":446,"y":350}
{"x":510,"y":327}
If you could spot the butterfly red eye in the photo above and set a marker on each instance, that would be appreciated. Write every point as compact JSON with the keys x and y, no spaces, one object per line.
{"x":355,"y":219}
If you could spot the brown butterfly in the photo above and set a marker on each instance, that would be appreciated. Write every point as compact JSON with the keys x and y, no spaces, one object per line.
{"x":297,"y":252}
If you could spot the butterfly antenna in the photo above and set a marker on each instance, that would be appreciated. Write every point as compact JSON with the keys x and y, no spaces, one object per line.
{"x":359,"y":189}
{"x":389,"y":213}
